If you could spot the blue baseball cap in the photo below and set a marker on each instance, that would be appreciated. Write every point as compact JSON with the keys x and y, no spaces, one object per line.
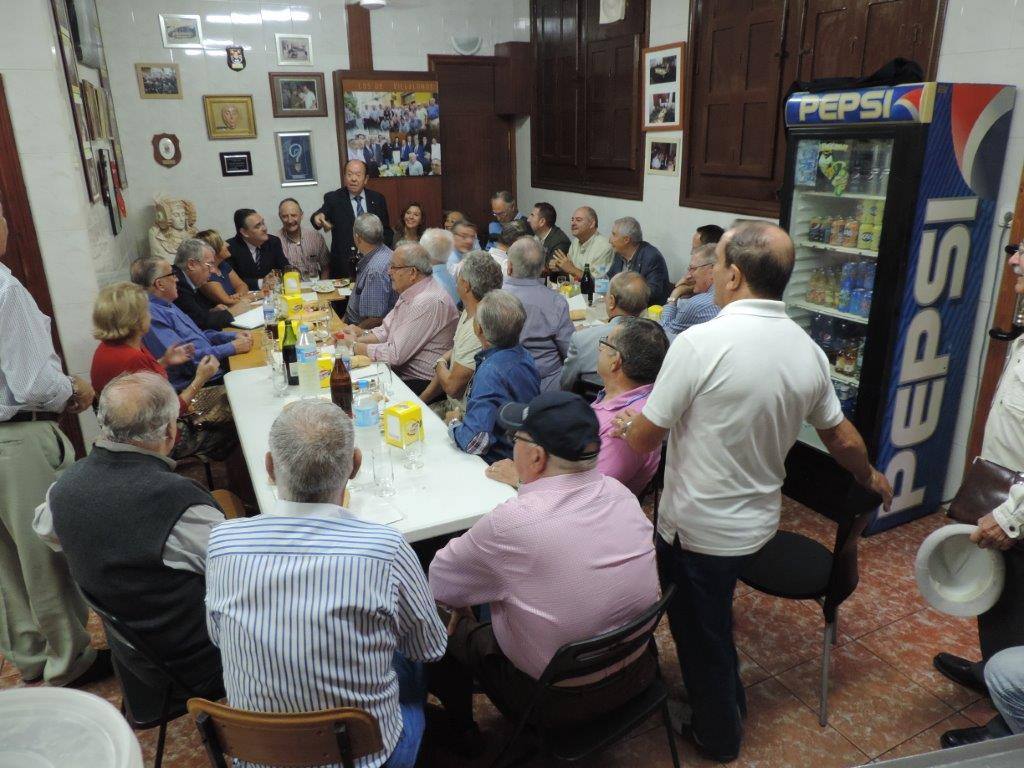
{"x":559,"y":422}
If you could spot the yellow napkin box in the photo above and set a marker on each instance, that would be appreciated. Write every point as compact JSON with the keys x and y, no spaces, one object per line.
{"x":325,"y":366}
{"x":294,"y":304}
{"x":291,"y":282}
{"x":403,"y":424}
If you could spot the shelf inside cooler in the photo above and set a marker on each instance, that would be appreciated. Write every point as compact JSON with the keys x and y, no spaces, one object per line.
{"x":823,"y":310}
{"x":834,"y":196}
{"x":843,"y":377}
{"x":838,"y":249}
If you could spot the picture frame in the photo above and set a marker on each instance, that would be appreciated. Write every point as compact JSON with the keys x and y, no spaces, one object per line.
{"x":293,"y":50}
{"x":295,"y":158}
{"x":235,"y":164}
{"x":662,"y":73}
{"x":298,"y":94}
{"x":229,"y":116}
{"x":159,"y":81}
{"x":181,"y":30}
{"x":663,"y":153}
{"x":392,"y":123}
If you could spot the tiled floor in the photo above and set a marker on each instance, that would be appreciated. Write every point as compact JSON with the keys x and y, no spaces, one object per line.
{"x":886,"y":700}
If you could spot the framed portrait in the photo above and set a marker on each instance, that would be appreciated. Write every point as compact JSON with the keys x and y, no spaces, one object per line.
{"x":664,"y":152}
{"x":235,"y":164}
{"x":393,"y":125}
{"x":663,"y":84}
{"x":181,"y":30}
{"x":295,"y":158}
{"x":229,"y":117}
{"x":298,"y":94}
{"x":294,"y":50}
{"x":158,"y":81}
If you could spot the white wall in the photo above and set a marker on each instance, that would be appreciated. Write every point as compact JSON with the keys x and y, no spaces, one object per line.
{"x":402,"y":38}
{"x":79,"y":251}
{"x":982,"y":42}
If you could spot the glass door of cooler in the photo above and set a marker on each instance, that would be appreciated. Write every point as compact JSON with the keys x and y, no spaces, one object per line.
{"x":839,"y":196}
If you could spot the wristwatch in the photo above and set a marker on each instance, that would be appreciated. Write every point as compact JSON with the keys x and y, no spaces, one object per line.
{"x":440,"y":360}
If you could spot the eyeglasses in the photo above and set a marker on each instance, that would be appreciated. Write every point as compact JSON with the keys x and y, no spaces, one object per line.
{"x":692,"y":268}
{"x":169,"y":274}
{"x":603,"y":341}
{"x":396,"y":267}
{"x":516,"y":437}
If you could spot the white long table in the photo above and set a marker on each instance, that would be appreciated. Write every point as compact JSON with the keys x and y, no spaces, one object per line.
{"x":448,"y":494}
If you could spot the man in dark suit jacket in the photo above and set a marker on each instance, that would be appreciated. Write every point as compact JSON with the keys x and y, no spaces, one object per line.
{"x":338,"y":214}
{"x":254,"y":253}
{"x":542,"y":221}
{"x":193,"y":263}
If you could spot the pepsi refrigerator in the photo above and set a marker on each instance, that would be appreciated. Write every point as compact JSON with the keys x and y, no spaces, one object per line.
{"x":889,"y":197}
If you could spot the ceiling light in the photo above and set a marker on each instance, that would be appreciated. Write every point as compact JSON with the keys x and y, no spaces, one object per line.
{"x":373,"y":3}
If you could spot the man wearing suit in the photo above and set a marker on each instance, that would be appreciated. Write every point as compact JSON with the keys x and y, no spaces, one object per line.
{"x":542,"y":221}
{"x":192,"y":265}
{"x":339,"y":211}
{"x":254,"y":253}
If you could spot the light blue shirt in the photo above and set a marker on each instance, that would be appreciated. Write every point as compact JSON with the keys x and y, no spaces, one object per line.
{"x":308,"y":605}
{"x":169,"y":325}
{"x":682,"y":313}
{"x":548,"y":329}
{"x":444,"y":277}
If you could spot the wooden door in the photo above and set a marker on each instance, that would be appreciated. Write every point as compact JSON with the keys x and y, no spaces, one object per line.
{"x":479,"y":145}
{"x":23,"y":256}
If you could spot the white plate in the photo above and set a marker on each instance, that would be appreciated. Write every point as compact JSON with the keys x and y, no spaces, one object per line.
{"x":323,"y":286}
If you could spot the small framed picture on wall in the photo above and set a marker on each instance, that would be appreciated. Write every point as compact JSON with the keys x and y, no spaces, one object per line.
{"x":298,"y":94}
{"x":663,"y":87}
{"x":664,"y":150}
{"x":229,"y":117}
{"x":295,"y":158}
{"x":181,"y":30}
{"x":294,"y":50}
{"x":235,"y":164}
{"x":158,"y":81}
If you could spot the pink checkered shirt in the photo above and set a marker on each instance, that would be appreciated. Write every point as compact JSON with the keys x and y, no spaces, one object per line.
{"x":419,"y":330}
{"x":310,"y":254}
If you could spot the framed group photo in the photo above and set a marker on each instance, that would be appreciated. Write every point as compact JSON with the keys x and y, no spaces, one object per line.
{"x":662,"y":71}
{"x":181,"y":30}
{"x":299,"y":94}
{"x":158,"y":81}
{"x":229,"y":117}
{"x":294,"y":50}
{"x":664,"y":151}
{"x":295,"y":158}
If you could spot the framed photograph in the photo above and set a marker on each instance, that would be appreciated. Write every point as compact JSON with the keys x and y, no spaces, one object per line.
{"x":294,"y":50}
{"x":181,"y":30}
{"x":295,"y":158}
{"x":663,"y":84}
{"x":664,"y":152}
{"x":299,"y":94}
{"x":229,"y":117}
{"x":235,"y":164}
{"x":393,"y":125}
{"x":158,"y":81}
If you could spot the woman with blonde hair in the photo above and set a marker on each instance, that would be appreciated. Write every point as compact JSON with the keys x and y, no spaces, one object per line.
{"x":120,"y":319}
{"x":224,"y":286}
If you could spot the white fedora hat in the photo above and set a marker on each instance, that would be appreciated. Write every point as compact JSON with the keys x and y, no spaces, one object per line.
{"x":955,"y":575}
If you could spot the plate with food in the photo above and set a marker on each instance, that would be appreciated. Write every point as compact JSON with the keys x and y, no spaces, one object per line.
{"x":323,"y":286}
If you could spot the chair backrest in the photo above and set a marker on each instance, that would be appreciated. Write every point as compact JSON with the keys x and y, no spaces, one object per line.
{"x":119,"y":633}
{"x":292,"y":739}
{"x":599,"y":653}
{"x":587,"y":389}
{"x":844,"y":576}
{"x":230,"y":504}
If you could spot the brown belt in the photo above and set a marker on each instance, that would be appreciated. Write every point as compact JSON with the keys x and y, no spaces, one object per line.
{"x":33,"y":416}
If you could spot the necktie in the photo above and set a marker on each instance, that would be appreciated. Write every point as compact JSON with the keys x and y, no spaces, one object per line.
{"x":359,"y":206}
{"x":256,"y":256}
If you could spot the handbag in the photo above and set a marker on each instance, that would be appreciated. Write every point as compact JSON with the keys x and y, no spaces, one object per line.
{"x":210,"y":407}
{"x":985,"y":486}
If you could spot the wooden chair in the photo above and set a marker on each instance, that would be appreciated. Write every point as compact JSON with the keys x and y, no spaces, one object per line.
{"x":294,"y":739}
{"x":231,"y":504}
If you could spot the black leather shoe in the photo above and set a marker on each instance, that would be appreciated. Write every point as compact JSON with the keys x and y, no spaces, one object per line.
{"x":960,"y":671}
{"x":685,"y":730}
{"x":963,"y":736}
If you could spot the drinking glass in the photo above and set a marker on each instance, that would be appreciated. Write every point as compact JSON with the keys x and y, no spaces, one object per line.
{"x":412,"y":458}
{"x":383,"y":472}
{"x":386,"y":382}
{"x":279,"y":374}
{"x":269,"y":348}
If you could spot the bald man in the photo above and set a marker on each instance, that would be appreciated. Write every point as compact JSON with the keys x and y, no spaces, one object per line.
{"x":731,"y":398}
{"x":588,"y":247}
{"x":339,"y":212}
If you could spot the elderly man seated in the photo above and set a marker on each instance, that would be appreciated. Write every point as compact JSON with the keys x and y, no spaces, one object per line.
{"x":692,"y":301}
{"x":194,"y":262}
{"x":421,"y":326}
{"x":169,"y":326}
{"x":628,"y":296}
{"x":354,"y":640}
{"x":628,"y":362}
{"x":515,"y":560}
{"x":439,"y":244}
{"x":548,"y":329}
{"x":135,"y":533}
{"x":634,"y":254}
{"x":479,"y":275}
{"x":372,"y":295}
{"x":505,"y":373}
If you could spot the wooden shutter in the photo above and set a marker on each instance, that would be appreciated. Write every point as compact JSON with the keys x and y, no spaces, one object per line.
{"x":558,"y":92}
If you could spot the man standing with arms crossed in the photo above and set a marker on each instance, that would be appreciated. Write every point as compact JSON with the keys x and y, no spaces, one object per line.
{"x":731,"y":397}
{"x":42,"y":615}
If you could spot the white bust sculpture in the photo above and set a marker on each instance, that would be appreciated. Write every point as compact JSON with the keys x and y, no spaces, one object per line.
{"x":175,"y":221}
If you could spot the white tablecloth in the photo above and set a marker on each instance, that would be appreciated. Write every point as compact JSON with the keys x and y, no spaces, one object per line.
{"x":448,"y":494}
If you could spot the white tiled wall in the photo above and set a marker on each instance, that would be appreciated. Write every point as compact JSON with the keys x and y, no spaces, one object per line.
{"x":403,"y":35}
{"x":983,"y":41}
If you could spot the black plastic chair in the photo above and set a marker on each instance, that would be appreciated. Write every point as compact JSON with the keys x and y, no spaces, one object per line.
{"x":148,"y":697}
{"x":796,"y":567}
{"x":580,"y":740}
{"x":656,"y":486}
{"x":588,"y":390}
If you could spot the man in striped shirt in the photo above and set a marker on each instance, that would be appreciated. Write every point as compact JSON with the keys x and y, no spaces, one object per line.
{"x":313,"y":608}
{"x":692,"y":301}
{"x":304,"y":248}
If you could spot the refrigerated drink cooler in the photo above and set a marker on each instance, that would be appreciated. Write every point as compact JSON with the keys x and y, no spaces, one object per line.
{"x":889,"y":198}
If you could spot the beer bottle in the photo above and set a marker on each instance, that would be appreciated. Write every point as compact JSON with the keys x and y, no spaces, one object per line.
{"x":587,"y":284}
{"x":288,"y":353}
{"x":341,"y":383}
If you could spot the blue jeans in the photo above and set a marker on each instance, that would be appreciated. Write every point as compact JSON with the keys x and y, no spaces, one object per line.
{"x":412,"y":694}
{"x":1004,"y":674}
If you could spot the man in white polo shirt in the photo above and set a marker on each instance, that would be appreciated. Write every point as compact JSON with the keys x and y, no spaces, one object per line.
{"x":731,"y":397}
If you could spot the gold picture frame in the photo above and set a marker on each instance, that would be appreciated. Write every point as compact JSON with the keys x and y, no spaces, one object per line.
{"x":229,"y":117}
{"x":158,"y":80}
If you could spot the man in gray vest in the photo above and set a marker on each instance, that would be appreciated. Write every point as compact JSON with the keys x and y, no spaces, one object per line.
{"x":135,"y":533}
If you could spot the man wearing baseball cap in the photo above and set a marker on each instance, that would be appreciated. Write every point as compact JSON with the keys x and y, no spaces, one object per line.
{"x":545,"y":583}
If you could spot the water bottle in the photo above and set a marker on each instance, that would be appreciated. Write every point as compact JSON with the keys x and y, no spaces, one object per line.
{"x":305,"y":357}
{"x":269,"y":313}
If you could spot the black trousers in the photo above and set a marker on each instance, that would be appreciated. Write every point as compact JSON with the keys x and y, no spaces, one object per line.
{"x":700,"y":617}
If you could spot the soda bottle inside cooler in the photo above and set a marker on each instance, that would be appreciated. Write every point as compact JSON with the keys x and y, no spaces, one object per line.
{"x":851,"y":232}
{"x":836,"y":231}
{"x":814,"y":229}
